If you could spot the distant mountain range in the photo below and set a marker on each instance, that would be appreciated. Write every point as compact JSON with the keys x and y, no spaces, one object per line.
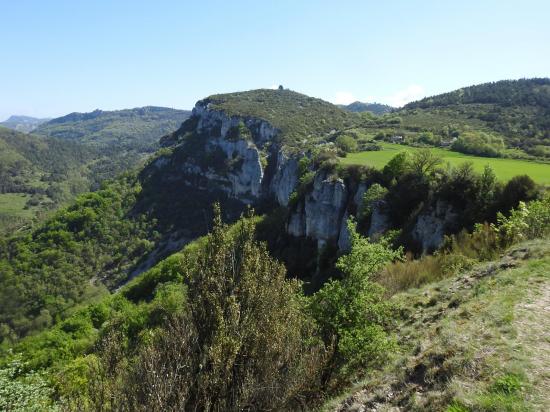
{"x":44,"y":163}
{"x":24,"y":124}
{"x":375,"y":108}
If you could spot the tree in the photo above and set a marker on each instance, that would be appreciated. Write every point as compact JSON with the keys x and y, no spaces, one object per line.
{"x":397,"y":166}
{"x":244,"y":343}
{"x":518,"y":188}
{"x":424,"y":162}
{"x":346,"y":143}
{"x":352,"y":312}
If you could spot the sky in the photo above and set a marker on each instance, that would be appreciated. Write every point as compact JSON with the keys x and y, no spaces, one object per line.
{"x":64,"y":56}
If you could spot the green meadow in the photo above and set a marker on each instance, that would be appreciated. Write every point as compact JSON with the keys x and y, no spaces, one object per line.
{"x":505,"y":169}
{"x":12,"y":204}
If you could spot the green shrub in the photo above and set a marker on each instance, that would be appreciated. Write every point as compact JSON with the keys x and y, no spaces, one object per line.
{"x":374,"y":193}
{"x":24,"y":392}
{"x":352,"y":312}
{"x":527,"y":221}
{"x":346,"y":143}
{"x":242,"y":342}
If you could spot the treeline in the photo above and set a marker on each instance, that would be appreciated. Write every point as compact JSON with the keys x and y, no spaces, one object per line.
{"x":524,"y":92}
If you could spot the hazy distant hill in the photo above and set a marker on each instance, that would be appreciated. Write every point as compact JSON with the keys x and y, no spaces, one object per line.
{"x":375,"y":108}
{"x":25,"y":124}
{"x":72,"y":154}
{"x":136,"y":130}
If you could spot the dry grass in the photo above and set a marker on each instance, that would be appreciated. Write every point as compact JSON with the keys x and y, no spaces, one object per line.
{"x":468,"y":343}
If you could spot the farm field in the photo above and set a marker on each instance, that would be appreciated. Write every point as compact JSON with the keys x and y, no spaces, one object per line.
{"x":13,"y":204}
{"x":505,"y":169}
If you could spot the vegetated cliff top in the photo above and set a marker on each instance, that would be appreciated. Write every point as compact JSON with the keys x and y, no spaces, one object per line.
{"x":297,"y":116}
{"x":136,"y":129}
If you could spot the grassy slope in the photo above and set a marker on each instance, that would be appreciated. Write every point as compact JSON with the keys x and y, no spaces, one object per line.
{"x":475,"y":342}
{"x":504,"y":168}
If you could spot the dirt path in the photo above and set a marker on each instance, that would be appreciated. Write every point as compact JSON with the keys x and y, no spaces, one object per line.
{"x":533,"y":325}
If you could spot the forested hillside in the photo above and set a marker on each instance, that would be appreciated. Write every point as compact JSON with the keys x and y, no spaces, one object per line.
{"x":374,"y":108}
{"x":38,"y":174}
{"x":72,"y":154}
{"x":134,"y":130}
{"x":518,"y":111}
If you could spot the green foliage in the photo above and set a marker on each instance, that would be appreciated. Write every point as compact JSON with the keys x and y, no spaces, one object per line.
{"x":374,"y":108}
{"x":397,"y":166}
{"x":460,"y":252}
{"x":424,"y":162}
{"x":373,"y":194}
{"x":346,"y":143}
{"x":243,"y":341}
{"x":44,"y":274}
{"x":518,"y":188}
{"x":137,"y":130}
{"x":352,"y":312}
{"x":24,"y":392}
{"x":517,"y":109}
{"x":527,"y":221}
{"x":43,"y":172}
{"x":479,"y":143}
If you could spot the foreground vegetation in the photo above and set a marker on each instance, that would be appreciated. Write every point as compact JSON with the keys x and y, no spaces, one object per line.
{"x":111,"y":354}
{"x":472,"y":342}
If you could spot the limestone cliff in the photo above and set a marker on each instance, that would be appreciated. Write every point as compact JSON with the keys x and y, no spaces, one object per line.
{"x":244,"y":158}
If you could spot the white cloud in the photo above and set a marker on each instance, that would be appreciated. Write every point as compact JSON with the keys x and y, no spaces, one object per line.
{"x":343,"y":98}
{"x":402,"y":97}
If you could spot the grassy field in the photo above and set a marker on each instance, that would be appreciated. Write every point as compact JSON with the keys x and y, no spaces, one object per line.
{"x":12,"y":204}
{"x":13,"y":213}
{"x":504,"y":168}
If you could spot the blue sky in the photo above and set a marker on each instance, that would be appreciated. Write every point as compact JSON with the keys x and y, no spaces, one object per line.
{"x":64,"y":56}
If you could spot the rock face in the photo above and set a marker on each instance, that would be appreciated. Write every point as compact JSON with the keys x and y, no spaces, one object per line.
{"x":236,"y":153}
{"x":432,"y":225}
{"x":320,"y":214}
{"x":285,"y":178}
{"x":245,"y":180}
{"x":242,"y":157}
{"x":379,"y":220}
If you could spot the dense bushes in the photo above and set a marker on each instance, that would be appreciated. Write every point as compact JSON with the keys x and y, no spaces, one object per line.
{"x":44,"y":274}
{"x":243,"y":341}
{"x":479,"y":143}
{"x":486,"y":242}
{"x":352,"y":312}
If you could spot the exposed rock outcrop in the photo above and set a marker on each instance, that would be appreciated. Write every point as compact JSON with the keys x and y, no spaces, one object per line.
{"x":285,"y":178}
{"x":432,"y":225}
{"x":320,"y":214}
{"x":244,"y":158}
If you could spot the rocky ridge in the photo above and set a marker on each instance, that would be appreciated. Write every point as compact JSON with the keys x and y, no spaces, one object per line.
{"x":244,"y":157}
